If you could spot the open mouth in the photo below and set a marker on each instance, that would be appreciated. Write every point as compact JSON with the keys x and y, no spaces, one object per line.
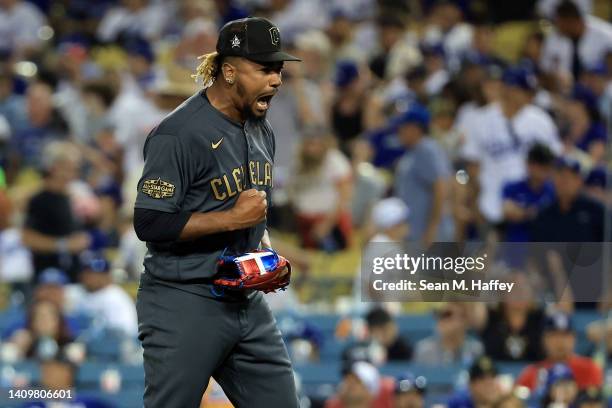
{"x":263,"y":102}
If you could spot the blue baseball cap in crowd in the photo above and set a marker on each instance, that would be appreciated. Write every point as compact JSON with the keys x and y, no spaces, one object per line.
{"x":558,"y":372}
{"x":558,"y":321}
{"x":568,"y":162}
{"x":94,"y":262}
{"x":346,"y":72}
{"x":417,"y":115}
{"x":139,"y":47}
{"x":597,"y":177}
{"x":408,"y":382}
{"x":520,"y":77}
{"x":52,"y":276}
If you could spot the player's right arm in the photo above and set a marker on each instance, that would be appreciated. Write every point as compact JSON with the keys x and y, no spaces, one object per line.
{"x":158,"y":226}
{"x":249,"y":210}
{"x":167,"y":175}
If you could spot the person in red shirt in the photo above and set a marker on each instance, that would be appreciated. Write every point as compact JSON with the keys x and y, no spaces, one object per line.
{"x":559,"y":341}
{"x":363,"y":387}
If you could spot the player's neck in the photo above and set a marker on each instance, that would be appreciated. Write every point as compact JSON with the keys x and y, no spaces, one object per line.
{"x":220,"y":99}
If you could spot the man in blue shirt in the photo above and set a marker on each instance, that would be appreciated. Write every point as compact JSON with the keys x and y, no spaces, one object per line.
{"x":523,"y":200}
{"x":422,"y":178}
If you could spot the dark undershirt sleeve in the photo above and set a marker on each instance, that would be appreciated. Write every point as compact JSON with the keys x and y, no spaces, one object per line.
{"x":159,"y":226}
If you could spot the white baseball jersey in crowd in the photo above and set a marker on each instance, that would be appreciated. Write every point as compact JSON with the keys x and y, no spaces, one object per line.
{"x":500,"y":146}
{"x":558,"y":50}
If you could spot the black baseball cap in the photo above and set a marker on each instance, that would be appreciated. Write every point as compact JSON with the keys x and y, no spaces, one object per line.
{"x":254,"y":38}
{"x":482,"y":367}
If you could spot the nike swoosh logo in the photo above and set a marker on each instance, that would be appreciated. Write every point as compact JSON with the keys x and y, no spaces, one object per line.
{"x":215,"y":145}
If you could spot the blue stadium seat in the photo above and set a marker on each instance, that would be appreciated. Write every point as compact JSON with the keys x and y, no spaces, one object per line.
{"x":125,"y":398}
{"x":9,"y":319}
{"x":332,"y":349}
{"x":89,"y":374}
{"x":512,"y":368}
{"x":107,"y":348}
{"x":30,"y":369}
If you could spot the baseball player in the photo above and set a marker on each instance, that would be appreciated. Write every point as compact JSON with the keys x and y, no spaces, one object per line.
{"x":201,"y":208}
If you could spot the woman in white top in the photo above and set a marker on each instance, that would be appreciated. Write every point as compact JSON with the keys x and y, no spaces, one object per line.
{"x":320,"y":192}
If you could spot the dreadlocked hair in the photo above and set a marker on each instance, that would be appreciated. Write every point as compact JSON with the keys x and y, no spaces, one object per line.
{"x":208,"y":68}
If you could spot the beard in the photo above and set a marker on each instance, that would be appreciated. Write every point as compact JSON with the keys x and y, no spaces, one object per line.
{"x":247,"y":108}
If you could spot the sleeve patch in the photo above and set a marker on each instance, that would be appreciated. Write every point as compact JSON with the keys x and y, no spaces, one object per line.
{"x":158,"y":188}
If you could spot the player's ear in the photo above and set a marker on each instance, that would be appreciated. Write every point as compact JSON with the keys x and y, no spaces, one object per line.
{"x":228,"y":70}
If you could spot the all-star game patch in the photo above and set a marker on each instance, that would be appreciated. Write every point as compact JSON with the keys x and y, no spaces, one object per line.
{"x":158,"y":188}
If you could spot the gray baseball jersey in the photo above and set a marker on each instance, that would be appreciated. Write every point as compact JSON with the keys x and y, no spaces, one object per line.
{"x":199,"y":160}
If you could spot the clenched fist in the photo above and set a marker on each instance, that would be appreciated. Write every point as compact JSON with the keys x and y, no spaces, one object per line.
{"x":250,"y":208}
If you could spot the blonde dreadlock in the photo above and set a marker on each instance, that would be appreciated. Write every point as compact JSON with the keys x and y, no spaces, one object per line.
{"x":208,"y":68}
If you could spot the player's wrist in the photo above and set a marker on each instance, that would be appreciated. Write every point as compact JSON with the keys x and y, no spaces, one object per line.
{"x":230,"y":220}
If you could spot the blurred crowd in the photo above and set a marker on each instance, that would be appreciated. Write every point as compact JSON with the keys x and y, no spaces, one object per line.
{"x":408,"y":120}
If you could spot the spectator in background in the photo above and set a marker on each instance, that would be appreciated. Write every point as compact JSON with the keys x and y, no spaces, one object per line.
{"x":585,"y":129}
{"x":104,"y":300}
{"x":524,"y":199}
{"x":383,"y":329}
{"x":446,"y":26}
{"x":410,"y":391}
{"x":451,"y":343}
{"x":46,"y":333}
{"x":512,"y":330}
{"x":353,"y":110}
{"x":144,"y":18}
{"x":531,"y":53}
{"x":572,"y":217}
{"x":435,"y":67}
{"x":51,"y":230}
{"x":50,"y":287}
{"x":496,"y":149}
{"x":320,"y":191}
{"x":595,"y":79}
{"x":561,"y":388}
{"x":595,"y":185}
{"x":422,"y":179}
{"x":44,"y":124}
{"x":314,"y":48}
{"x":60,"y":375}
{"x":370,"y":183}
{"x":484,"y":390}
{"x":15,"y":258}
{"x":341,"y":33}
{"x":98,"y":97}
{"x":559,"y":342}
{"x":297,"y":105}
{"x":19,"y":25}
{"x":12,"y":105}
{"x":388,"y":224}
{"x":363,"y":387}
{"x":391,"y":29}
{"x":482,"y":45}
{"x":579,"y":41}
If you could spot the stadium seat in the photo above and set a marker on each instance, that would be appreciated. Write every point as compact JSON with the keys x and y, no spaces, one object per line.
{"x":9,"y":318}
{"x":90,"y":373}
{"x":29,"y":369}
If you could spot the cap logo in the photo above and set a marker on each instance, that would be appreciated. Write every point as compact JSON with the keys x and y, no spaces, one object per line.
{"x":235,"y":42}
{"x":274,"y":36}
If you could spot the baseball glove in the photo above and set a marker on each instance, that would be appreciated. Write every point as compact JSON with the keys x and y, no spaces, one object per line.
{"x":263,"y":270}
